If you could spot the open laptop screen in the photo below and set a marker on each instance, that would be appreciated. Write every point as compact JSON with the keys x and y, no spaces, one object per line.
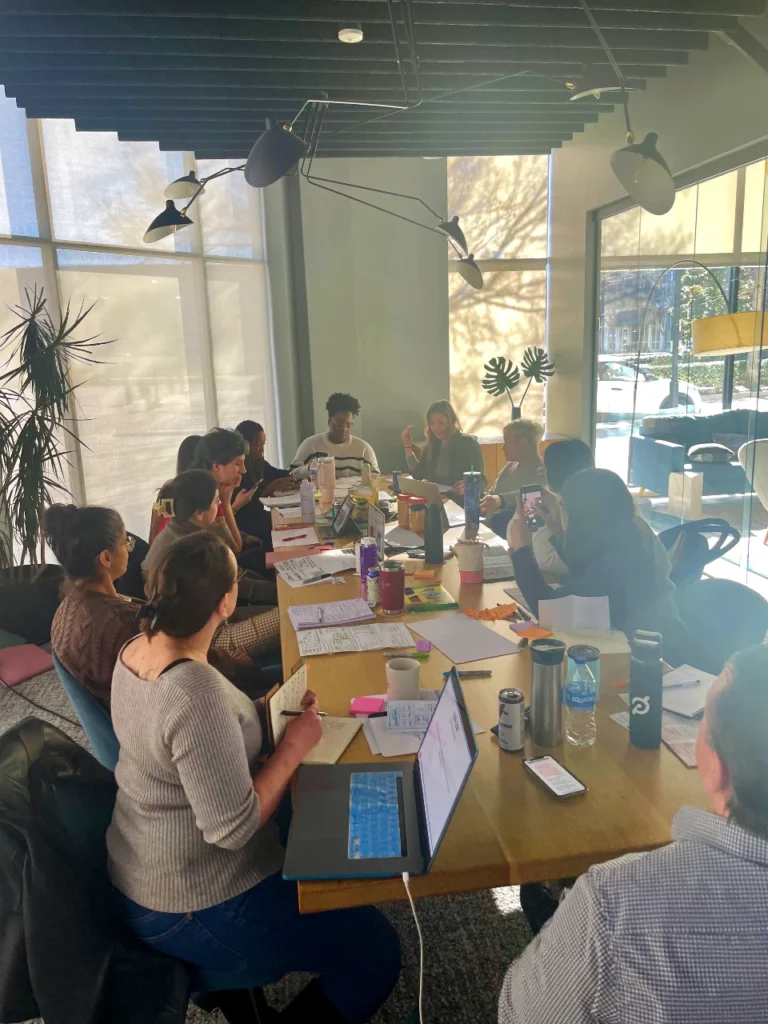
{"x":445,"y":758}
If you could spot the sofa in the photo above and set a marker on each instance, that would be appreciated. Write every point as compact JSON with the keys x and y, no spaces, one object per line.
{"x":663,"y":443}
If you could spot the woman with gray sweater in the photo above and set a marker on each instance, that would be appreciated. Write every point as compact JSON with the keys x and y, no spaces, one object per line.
{"x":194,"y":852}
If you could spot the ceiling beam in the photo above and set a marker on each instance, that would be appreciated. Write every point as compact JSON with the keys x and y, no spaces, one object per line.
{"x":413,"y":120}
{"x":703,"y":17}
{"x":215,"y":152}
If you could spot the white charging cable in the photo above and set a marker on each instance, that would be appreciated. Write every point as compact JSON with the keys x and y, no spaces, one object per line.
{"x":406,"y":878}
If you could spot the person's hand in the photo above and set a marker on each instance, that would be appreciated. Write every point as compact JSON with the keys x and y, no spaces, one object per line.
{"x":519,"y":532}
{"x":284,"y":485}
{"x":225,"y":494}
{"x":407,"y":436}
{"x":309,"y":700}
{"x":491,"y":503}
{"x":241,"y":657}
{"x":549,"y":510}
{"x":242,"y":498}
{"x":458,"y":487}
{"x":304,"y":732}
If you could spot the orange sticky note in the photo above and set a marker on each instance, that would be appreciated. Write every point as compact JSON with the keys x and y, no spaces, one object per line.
{"x":534,"y":633}
{"x":424,"y":574}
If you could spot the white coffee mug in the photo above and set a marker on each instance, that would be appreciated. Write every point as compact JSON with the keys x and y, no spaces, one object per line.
{"x":403,"y":679}
{"x":470,"y":556}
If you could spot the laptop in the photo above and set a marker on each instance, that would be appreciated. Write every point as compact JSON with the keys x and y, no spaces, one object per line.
{"x":379,"y":820}
{"x":343,"y":525}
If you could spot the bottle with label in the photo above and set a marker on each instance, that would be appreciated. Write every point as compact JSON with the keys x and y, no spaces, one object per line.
{"x":307,"y":501}
{"x":645,"y":691}
{"x":313,"y":474}
{"x":580,"y":699}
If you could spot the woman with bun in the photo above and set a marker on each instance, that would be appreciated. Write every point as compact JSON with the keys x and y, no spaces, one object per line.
{"x":93,"y":621}
{"x":193,"y":849}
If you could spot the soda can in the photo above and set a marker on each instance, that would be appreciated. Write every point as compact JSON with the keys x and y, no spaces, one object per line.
{"x":511,"y":720}
{"x":395,"y":481}
{"x":372,"y":596}
{"x":472,"y":488}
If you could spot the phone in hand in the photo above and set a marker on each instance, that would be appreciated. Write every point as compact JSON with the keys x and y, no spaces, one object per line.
{"x":530,"y":499}
{"x":551,"y":774}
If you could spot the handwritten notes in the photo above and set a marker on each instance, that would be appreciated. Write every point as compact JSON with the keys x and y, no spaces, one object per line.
{"x":339,"y":640}
{"x":409,"y":715}
{"x":301,"y":572}
{"x":330,"y":613}
{"x":287,"y":698}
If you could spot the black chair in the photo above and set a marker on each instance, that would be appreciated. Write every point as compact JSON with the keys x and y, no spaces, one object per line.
{"x":722,"y":617}
{"x":694,"y":552}
{"x":132,"y":583}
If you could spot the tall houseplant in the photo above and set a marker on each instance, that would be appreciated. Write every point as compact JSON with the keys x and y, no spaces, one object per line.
{"x":502,"y":376}
{"x":35,"y":400}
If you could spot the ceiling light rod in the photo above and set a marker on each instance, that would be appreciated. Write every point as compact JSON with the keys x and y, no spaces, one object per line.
{"x":396,"y":43}
{"x":617,"y":70}
{"x":343,"y":103}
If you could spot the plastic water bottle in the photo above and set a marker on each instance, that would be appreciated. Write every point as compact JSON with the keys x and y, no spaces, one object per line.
{"x":307,"y":502}
{"x":580,"y":701}
{"x":313,"y":475}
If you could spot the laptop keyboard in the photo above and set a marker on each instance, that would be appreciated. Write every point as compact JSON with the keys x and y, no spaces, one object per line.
{"x":375,"y":802}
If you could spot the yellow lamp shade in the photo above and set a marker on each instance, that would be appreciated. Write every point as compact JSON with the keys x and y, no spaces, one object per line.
{"x":729,"y":334}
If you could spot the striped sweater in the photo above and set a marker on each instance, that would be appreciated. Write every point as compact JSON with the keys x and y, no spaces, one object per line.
{"x":350,"y":456}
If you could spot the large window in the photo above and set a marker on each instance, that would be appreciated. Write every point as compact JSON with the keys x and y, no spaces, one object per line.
{"x":189,"y":315}
{"x":502,"y":202}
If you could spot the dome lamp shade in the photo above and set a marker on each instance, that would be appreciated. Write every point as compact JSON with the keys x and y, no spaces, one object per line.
{"x":274,"y":153}
{"x":453,"y":231}
{"x":470,"y":271}
{"x":643,"y":172}
{"x":166,"y":223}
{"x":184,"y":188}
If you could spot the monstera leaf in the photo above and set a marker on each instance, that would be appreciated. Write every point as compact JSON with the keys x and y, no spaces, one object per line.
{"x":537,"y":365}
{"x":501,"y":376}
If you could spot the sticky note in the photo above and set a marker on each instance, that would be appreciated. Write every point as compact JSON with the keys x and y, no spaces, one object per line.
{"x":423,"y":646}
{"x":366,"y":705}
{"x":534,"y":633}
{"x":424,"y":574}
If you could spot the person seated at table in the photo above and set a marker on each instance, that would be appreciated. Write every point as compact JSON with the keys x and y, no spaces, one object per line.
{"x":186,"y":453}
{"x":267,"y":480}
{"x":448,"y":453}
{"x":680,"y":933}
{"x":184,"y":457}
{"x":350,"y":452}
{"x":607,"y":554}
{"x":93,"y":621}
{"x":524,"y":467}
{"x":193,"y":849}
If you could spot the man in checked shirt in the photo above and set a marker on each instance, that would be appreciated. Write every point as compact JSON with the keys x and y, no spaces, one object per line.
{"x":678,"y":935}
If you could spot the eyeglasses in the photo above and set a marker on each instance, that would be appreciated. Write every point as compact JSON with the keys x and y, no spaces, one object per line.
{"x":130,"y":542}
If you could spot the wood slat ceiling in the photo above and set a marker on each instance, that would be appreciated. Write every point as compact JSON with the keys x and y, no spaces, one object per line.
{"x":203,"y":75}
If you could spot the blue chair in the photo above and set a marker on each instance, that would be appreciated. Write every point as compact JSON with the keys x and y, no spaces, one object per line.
{"x":94,"y":718}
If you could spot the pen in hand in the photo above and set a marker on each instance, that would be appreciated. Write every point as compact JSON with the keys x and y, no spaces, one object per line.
{"x":298,"y":714}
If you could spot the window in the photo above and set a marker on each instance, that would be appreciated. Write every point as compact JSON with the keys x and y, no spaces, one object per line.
{"x":502,"y":203}
{"x":189,"y":315}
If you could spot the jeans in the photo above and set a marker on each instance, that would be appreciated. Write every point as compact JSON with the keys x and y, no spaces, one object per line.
{"x":259,"y":936}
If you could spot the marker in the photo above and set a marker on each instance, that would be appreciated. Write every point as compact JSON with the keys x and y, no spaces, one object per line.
{"x":298,"y":714}
{"x":319,"y":614}
{"x":477,"y":674}
{"x":417,"y":655}
{"x":300,"y":536}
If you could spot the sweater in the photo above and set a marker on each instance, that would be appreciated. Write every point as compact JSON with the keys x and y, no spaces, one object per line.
{"x":350,"y":456}
{"x":464,"y":454}
{"x":187,"y":832}
{"x":512,"y":477}
{"x":88,"y":632}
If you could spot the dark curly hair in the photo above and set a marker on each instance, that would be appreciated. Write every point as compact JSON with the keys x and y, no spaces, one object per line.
{"x":77,"y":536}
{"x":339,"y":401}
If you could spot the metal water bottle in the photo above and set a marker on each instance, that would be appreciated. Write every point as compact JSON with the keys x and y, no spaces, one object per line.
{"x":547,"y":691}
{"x":433,"y":535}
{"x":645,"y":691}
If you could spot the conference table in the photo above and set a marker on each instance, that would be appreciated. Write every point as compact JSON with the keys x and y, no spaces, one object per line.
{"x":507,"y":829}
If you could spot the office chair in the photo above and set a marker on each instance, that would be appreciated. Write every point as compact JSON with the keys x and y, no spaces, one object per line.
{"x":93,"y":716}
{"x":722,"y":617}
{"x":131,"y":583}
{"x":692,"y":553}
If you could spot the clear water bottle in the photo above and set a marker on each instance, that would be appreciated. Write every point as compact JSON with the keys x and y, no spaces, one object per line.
{"x":313,"y":475}
{"x":580,"y":700}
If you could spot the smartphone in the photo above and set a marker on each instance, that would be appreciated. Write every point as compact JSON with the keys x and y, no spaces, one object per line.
{"x":530,"y":498}
{"x":551,"y":774}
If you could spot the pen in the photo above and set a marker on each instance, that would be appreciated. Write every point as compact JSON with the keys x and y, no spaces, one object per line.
{"x":299,"y":536}
{"x":475,"y":674}
{"x":298,"y":714}
{"x":319,"y":614}
{"x":418,"y":655}
{"x":378,"y":714}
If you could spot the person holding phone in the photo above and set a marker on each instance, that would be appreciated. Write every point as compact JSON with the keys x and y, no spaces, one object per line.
{"x":524,"y":468}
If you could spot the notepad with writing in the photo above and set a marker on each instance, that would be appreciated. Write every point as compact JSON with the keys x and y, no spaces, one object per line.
{"x":330,"y":613}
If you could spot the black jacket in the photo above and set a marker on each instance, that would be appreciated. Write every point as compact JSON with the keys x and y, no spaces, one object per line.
{"x":64,"y":955}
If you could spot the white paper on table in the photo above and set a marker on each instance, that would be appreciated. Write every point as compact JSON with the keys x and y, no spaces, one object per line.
{"x":454,"y":512}
{"x":345,"y":484}
{"x":462,"y":639}
{"x":390,"y":744}
{"x":497,"y":564}
{"x":398,"y":537}
{"x":689,"y":700}
{"x":683,"y":676}
{"x":282,"y":500}
{"x":574,"y":612}
{"x":287,"y":698}
{"x":409,"y":715}
{"x":338,"y":733}
{"x":678,"y":733}
{"x":294,"y":537}
{"x":294,"y":512}
{"x":341,"y":639}
{"x":329,"y":613}
{"x":298,"y":572}
{"x":369,"y":734}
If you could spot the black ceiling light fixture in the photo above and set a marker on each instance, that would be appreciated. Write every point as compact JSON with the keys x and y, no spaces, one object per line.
{"x":640,"y":167}
{"x":274,"y":153}
{"x":166,"y":223}
{"x":189,"y":186}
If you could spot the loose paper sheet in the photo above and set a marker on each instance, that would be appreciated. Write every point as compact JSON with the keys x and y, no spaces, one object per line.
{"x":294,"y":537}
{"x":497,"y":565}
{"x":678,"y":733}
{"x":409,"y":715}
{"x":299,"y":572}
{"x":329,"y":613}
{"x":454,"y":512}
{"x":577,"y":613}
{"x":287,"y":698}
{"x":462,"y":639}
{"x":282,"y":501}
{"x":340,"y":639}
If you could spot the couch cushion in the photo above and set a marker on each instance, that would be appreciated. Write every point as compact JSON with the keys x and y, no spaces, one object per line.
{"x":710,"y":453}
{"x":732,"y":441}
{"x":691,"y":430}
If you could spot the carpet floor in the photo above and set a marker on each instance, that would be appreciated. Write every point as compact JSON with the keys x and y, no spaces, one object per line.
{"x":470,"y":940}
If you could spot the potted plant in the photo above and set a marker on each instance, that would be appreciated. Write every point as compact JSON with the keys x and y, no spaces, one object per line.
{"x":35,"y":401}
{"x":502,"y":376}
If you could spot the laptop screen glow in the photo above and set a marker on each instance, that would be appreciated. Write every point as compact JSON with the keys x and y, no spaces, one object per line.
{"x":445,"y":760}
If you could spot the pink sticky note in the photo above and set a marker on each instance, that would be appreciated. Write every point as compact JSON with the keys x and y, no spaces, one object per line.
{"x":366,"y":705}
{"x":518,"y":626}
{"x":423,"y":646}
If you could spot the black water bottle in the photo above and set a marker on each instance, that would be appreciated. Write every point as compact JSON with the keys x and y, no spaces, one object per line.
{"x":645,"y":691}
{"x":433,"y":535}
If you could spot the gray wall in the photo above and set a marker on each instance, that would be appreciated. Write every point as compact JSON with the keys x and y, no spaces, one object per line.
{"x":376,"y":317}
{"x":712,"y":107}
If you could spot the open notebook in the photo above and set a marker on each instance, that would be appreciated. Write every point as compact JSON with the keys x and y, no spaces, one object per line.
{"x":338,"y":733}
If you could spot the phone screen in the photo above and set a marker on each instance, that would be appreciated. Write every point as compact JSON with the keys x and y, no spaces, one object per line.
{"x":552,"y":775}
{"x":530,"y":498}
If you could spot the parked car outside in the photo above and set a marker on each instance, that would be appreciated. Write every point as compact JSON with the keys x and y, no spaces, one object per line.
{"x":616,"y":392}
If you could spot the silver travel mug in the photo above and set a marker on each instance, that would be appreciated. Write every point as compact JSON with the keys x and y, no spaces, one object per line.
{"x":547,"y":658}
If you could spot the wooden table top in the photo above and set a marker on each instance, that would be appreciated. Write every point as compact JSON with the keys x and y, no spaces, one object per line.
{"x":507,"y":829}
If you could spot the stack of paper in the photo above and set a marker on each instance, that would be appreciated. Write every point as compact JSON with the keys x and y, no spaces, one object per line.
{"x":677,"y":732}
{"x":497,"y":565}
{"x":338,"y":733}
{"x":300,"y":572}
{"x":462,"y":639}
{"x":330,"y":613}
{"x":685,"y":691}
{"x":341,"y":639}
{"x":282,"y":501}
{"x":294,"y":537}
